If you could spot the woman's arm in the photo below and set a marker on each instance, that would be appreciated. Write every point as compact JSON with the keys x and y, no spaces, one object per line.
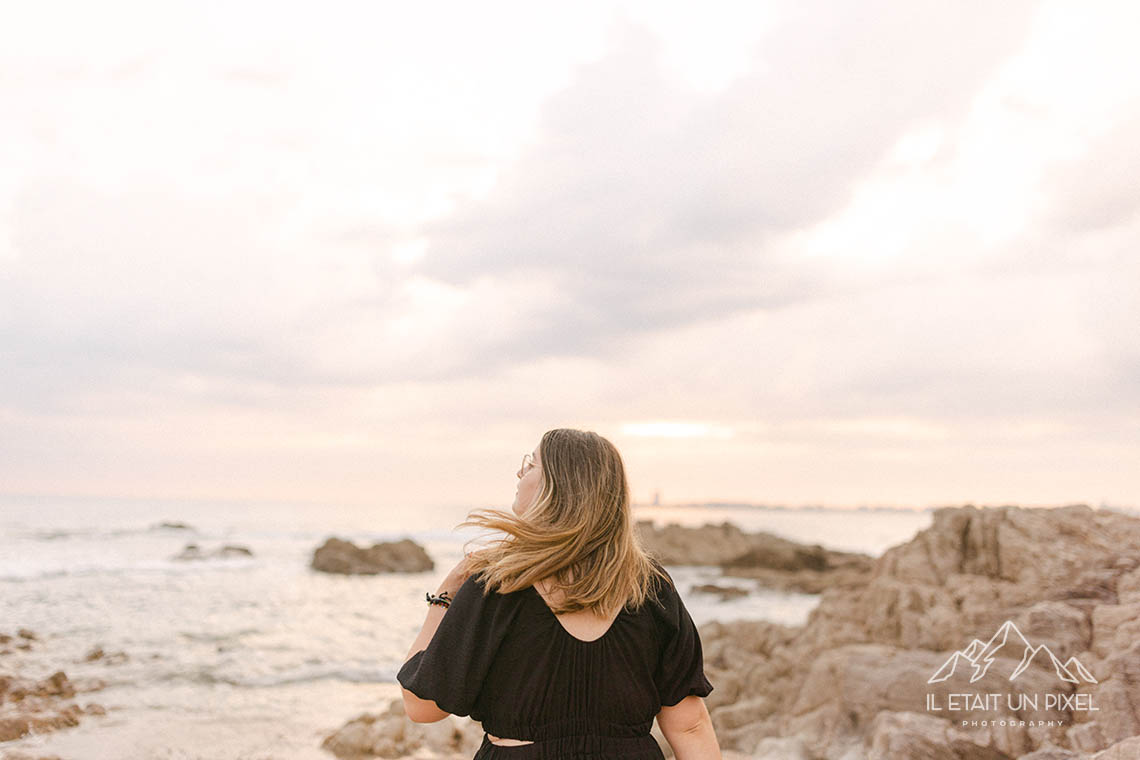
{"x":689,"y":730}
{"x":426,"y":710}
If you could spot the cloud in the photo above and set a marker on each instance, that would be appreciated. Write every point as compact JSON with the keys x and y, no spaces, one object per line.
{"x":1097,"y":190}
{"x":118,"y":288}
{"x":650,"y":206}
{"x":827,"y":268}
{"x":641,"y":206}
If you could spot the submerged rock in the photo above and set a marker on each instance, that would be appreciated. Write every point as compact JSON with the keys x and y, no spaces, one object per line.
{"x":170,"y":525}
{"x":194,"y":552}
{"x":110,"y":658}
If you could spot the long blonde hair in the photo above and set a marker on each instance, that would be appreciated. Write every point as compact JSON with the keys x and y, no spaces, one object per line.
{"x":579,"y":531}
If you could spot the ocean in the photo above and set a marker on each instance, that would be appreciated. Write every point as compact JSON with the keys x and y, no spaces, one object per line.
{"x":258,"y":657}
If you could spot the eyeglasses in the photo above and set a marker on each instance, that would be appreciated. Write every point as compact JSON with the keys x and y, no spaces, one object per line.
{"x":527,"y":463}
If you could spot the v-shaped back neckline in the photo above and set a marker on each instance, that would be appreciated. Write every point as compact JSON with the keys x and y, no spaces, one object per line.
{"x":549,"y":611}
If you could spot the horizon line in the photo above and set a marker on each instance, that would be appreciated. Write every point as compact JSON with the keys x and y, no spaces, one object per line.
{"x":687,"y":504}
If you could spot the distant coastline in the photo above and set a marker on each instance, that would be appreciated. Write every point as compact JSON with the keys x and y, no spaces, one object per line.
{"x":779,"y":507}
{"x":868,"y":508}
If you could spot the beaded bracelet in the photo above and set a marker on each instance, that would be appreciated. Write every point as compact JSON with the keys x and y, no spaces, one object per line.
{"x":443,"y":599}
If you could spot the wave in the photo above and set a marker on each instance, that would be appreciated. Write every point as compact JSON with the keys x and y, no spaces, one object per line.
{"x":330,"y":672}
{"x":25,"y":574}
{"x":100,"y":534}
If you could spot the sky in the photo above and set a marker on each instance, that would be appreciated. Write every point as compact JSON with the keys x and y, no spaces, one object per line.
{"x":368,"y":252}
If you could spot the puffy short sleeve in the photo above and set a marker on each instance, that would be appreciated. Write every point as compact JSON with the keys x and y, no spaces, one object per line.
{"x":451,"y":670}
{"x":680,"y":671}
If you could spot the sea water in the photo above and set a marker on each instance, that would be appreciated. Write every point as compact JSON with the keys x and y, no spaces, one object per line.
{"x":259,"y":656}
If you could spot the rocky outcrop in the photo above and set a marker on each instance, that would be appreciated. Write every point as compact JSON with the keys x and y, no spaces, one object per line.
{"x":345,"y":557}
{"x":391,"y":734}
{"x":978,"y":594}
{"x":772,"y":561}
{"x":30,"y":705}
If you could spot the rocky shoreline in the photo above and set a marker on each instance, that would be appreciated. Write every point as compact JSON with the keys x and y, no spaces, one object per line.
{"x":853,"y":683}
{"x":995,"y":634}
{"x":39,"y":705}
{"x":907,"y":657}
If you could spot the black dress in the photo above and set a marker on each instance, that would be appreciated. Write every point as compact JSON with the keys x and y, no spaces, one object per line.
{"x":506,"y":661}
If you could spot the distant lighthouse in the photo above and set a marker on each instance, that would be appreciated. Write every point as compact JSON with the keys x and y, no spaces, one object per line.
{"x":657,"y":498}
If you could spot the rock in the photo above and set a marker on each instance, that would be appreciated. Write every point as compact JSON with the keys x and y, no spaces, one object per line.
{"x":745,"y":712}
{"x":1004,"y":543}
{"x":781,"y":748}
{"x":972,"y":569}
{"x":1128,"y":586}
{"x":728,"y":546}
{"x":1129,"y":749}
{"x":707,"y":545}
{"x":724,"y":592}
{"x":1053,"y":753}
{"x":171,"y":526}
{"x":39,"y":721}
{"x":1114,"y":627}
{"x":112,"y":658}
{"x":194,"y":552}
{"x":189,"y":551}
{"x":29,"y":706}
{"x":1087,"y":737}
{"x":391,"y":734}
{"x":854,"y":679}
{"x":914,"y":736}
{"x":801,"y":581}
{"x":1118,"y":697}
{"x":55,"y":685}
{"x":1064,"y":628}
{"x":344,"y":557}
{"x":24,"y":633}
{"x":773,"y":561}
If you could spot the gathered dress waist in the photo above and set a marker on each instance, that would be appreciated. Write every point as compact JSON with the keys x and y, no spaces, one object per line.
{"x":575,"y":747}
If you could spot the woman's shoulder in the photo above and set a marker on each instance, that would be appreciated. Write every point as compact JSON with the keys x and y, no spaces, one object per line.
{"x":664,"y":598}
{"x":477,"y":586}
{"x":661,"y":581}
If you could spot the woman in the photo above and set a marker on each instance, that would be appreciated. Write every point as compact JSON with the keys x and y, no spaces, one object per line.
{"x":566,"y":639}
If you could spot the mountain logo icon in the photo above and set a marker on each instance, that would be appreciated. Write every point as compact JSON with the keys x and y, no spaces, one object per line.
{"x":979,"y":656}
